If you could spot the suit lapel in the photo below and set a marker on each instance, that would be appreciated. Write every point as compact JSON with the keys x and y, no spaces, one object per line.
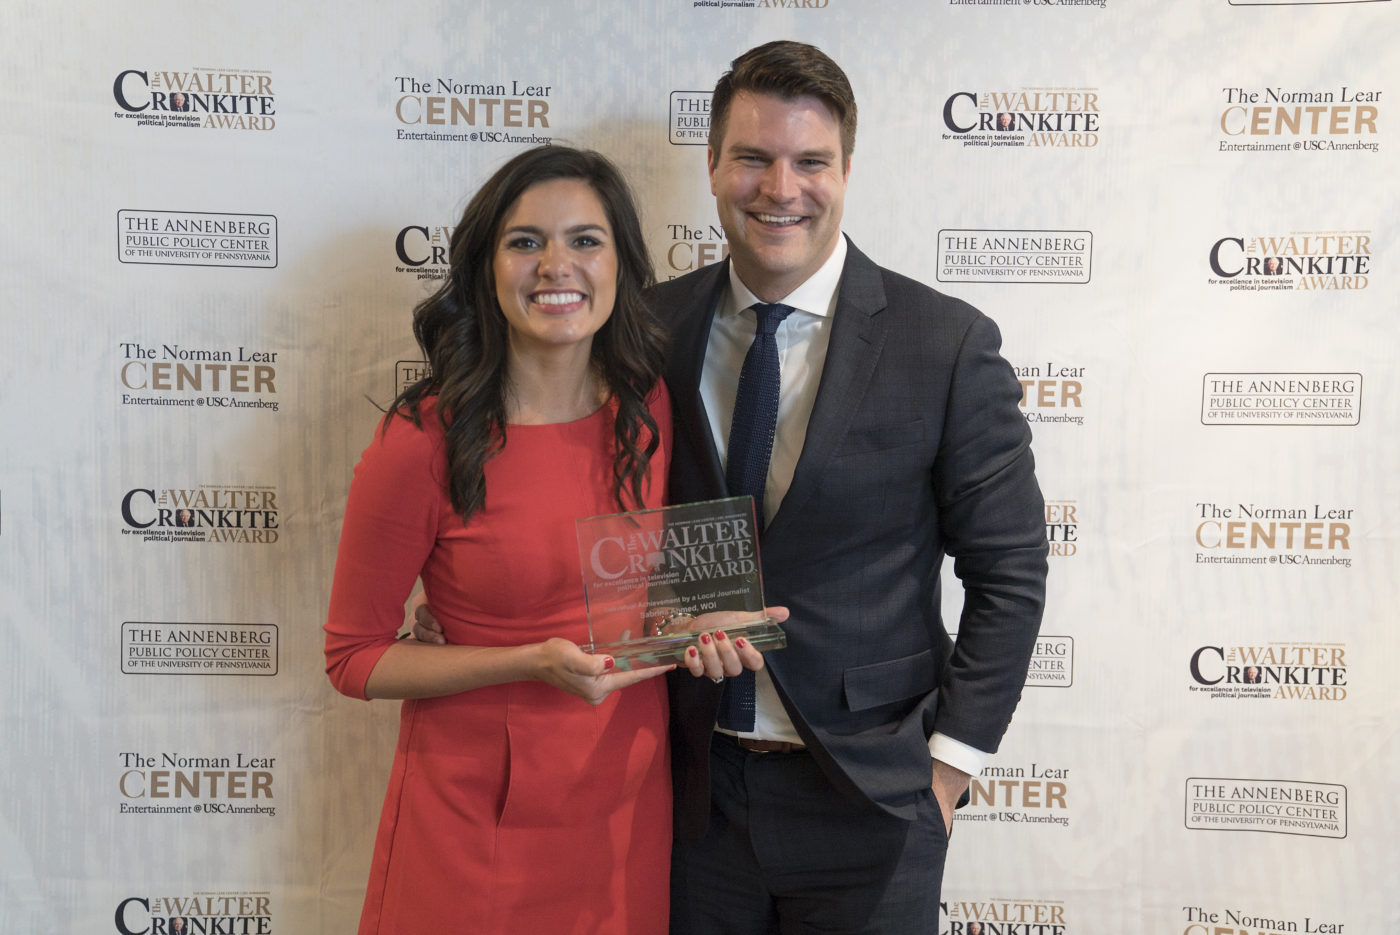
{"x":690,"y":336}
{"x":857,"y":337}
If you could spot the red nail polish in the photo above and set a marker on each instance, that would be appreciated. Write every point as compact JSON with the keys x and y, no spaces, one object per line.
{"x":692,"y":652}
{"x":721,"y":635}
{"x":705,"y":638}
{"x":608,"y":663}
{"x":741,"y":642}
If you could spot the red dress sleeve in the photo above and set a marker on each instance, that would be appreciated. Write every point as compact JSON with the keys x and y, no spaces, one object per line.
{"x":391,"y":524}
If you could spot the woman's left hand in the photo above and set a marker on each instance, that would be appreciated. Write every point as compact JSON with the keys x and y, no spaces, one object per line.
{"x":714,"y":654}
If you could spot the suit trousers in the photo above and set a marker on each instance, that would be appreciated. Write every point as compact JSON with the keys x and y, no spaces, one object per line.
{"x":787,"y":853}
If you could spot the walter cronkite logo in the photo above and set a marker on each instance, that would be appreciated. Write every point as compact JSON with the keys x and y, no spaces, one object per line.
{"x":452,"y":110}
{"x":1301,"y":120}
{"x":1026,"y":117}
{"x":1062,"y":527}
{"x":683,"y":551}
{"x":198,"y":98}
{"x":1300,"y":261}
{"x":204,"y":913}
{"x":1283,"y":671}
{"x":1003,"y":916}
{"x":207,"y":513}
{"x":424,"y":251}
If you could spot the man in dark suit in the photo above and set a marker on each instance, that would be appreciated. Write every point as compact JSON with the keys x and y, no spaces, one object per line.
{"x":825,"y":804}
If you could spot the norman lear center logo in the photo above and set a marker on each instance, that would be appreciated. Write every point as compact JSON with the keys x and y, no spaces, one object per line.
{"x":1280,"y":119}
{"x":210,"y":378}
{"x":1202,"y":921}
{"x":201,"y":98}
{"x":693,"y":247}
{"x":1294,"y":537}
{"x":1045,"y":117}
{"x":1300,"y":261}
{"x":512,"y":111}
{"x":1052,"y":394}
{"x":240,"y":784}
{"x":1020,"y":795}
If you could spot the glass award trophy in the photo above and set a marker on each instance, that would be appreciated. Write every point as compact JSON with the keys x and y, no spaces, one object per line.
{"x":650,"y":575}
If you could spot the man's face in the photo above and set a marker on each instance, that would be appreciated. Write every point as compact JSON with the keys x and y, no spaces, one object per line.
{"x":178,"y":100}
{"x":779,"y":184}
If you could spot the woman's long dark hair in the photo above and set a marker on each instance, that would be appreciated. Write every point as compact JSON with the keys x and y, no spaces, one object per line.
{"x":464,"y":334}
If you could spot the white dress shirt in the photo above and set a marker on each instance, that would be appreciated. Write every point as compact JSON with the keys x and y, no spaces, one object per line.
{"x":802,"y":339}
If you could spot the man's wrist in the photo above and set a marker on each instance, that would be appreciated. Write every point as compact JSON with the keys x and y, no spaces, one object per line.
{"x":957,"y":754}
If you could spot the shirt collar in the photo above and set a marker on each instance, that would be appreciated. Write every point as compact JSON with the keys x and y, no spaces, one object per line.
{"x":816,"y":296}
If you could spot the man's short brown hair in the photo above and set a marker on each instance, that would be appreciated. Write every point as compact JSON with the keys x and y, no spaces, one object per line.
{"x":787,"y":70}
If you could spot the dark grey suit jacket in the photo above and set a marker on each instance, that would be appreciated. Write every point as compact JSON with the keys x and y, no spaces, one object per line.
{"x":916,"y":448}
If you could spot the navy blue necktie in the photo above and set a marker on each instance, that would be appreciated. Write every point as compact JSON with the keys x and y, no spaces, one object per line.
{"x":746,"y":469}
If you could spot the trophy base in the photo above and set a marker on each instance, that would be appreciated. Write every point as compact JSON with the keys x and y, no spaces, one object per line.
{"x":763,"y":634}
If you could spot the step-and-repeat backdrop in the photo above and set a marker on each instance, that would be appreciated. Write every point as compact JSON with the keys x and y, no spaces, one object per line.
{"x":1183,"y":216}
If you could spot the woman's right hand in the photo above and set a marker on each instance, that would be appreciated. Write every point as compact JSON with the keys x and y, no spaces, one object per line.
{"x":426,"y":628}
{"x":585,"y":675}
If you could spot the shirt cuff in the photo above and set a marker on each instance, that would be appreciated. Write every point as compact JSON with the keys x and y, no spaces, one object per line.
{"x":957,"y":754}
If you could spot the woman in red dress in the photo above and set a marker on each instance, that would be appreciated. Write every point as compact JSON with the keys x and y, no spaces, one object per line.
{"x":530,"y":789}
